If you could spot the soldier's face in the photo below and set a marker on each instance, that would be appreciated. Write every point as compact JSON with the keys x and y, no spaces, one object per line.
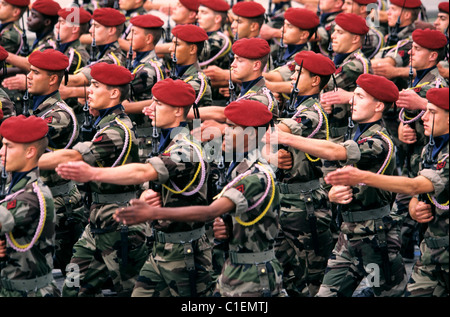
{"x":392,"y":14}
{"x":15,"y":156}
{"x":441,"y":22}
{"x":183,"y":51}
{"x":364,"y":106}
{"x":420,"y":56}
{"x":162,"y":115}
{"x":291,"y":33}
{"x":305,"y":82}
{"x":238,"y":139}
{"x":241,"y":26}
{"x":435,"y":120}
{"x":127,"y":4}
{"x":35,"y":21}
{"x":139,"y":38}
{"x":38,"y":81}
{"x":351,"y":7}
{"x":65,"y":30}
{"x":341,"y":40}
{"x":243,"y":68}
{"x":180,"y":14}
{"x":6,"y":11}
{"x":206,"y":18}
{"x":99,"y":96}
{"x":100,"y":32}
{"x":329,"y":5}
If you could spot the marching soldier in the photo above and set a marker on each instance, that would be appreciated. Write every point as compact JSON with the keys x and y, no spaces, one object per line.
{"x":250,"y":197}
{"x":105,"y":249}
{"x":430,"y":203}
{"x":11,"y":11}
{"x":27,"y":216}
{"x":329,"y":9}
{"x":369,"y":231}
{"x":7,"y":107}
{"x":180,"y":261}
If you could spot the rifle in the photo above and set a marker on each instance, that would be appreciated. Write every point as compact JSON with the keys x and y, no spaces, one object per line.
{"x":25,"y":49}
{"x":3,"y":180}
{"x":167,"y":31}
{"x":279,"y":61}
{"x":269,"y":9}
{"x":412,"y":124}
{"x":93,"y":53}
{"x":393,"y":34}
{"x":58,"y":39}
{"x":173,"y":72}
{"x":26,"y":100}
{"x":87,"y":130}
{"x":289,"y":108}
{"x":231,"y":86}
{"x":129,"y":64}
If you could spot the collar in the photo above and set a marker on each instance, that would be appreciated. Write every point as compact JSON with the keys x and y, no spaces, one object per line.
{"x":362,"y":127}
{"x":4,"y":25}
{"x":64,"y":46}
{"x":246,"y":85}
{"x":104,"y":112}
{"x":301,"y":99}
{"x":339,"y":58}
{"x":324,"y":17}
{"x":139,"y":57}
{"x":40,"y":36}
{"x":292,"y":49}
{"x":440,"y":141}
{"x":181,"y":69}
{"x":165,"y":137}
{"x":421,"y":74}
{"x":16,"y":177}
{"x":38,"y":100}
{"x":102,"y":48}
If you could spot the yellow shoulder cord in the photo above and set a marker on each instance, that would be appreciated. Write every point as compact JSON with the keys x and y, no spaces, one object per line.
{"x":324,"y":117}
{"x":433,"y":199}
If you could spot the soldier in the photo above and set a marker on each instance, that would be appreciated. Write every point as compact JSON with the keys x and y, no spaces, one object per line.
{"x":305,"y":213}
{"x":105,"y":249}
{"x":11,"y":11}
{"x":442,"y":24}
{"x":250,"y":197}
{"x":368,"y":238}
{"x":329,"y":9}
{"x":430,"y":202}
{"x":27,"y":215}
{"x":7,"y":108}
{"x":131,"y":9}
{"x":148,"y":70}
{"x":180,"y":262}
{"x":187,"y":44}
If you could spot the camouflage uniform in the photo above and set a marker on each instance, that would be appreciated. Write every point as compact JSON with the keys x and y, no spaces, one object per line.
{"x":180,"y":260}
{"x":325,"y":29}
{"x":430,"y":276}
{"x":28,"y":273}
{"x":305,"y":213}
{"x":70,"y":215}
{"x":6,"y":105}
{"x":195,"y":77}
{"x":373,"y":42}
{"x":369,"y":235}
{"x":107,"y":249}
{"x":11,"y":37}
{"x":252,"y":268}
{"x":129,"y":16}
{"x":261,"y":93}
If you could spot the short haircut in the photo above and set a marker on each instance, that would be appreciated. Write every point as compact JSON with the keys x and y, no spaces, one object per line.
{"x":124,"y":91}
{"x":324,"y":79}
{"x":155,"y":32}
{"x":59,"y":73}
{"x":200,"y":46}
{"x":40,"y":145}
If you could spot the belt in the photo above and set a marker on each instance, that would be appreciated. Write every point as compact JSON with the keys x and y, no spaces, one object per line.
{"x":295,"y":188}
{"x":252,"y":258}
{"x":372,"y":214}
{"x":436,"y":243}
{"x":60,"y":190}
{"x":337,"y":131}
{"x":119,"y":198}
{"x":179,"y":237}
{"x":27,"y":285}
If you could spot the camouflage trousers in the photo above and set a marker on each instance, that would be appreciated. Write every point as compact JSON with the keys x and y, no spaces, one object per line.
{"x":352,"y":260}
{"x":164,"y":274}
{"x":98,"y":257}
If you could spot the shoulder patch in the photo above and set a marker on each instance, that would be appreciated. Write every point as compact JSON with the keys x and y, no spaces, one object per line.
{"x":11,"y":204}
{"x":49,"y":119}
{"x":441,"y":165}
{"x":241,"y":188}
{"x":98,"y":139}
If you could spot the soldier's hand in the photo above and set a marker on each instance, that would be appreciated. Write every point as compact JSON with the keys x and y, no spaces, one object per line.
{"x":2,"y":248}
{"x":348,"y":175}
{"x":340,"y":96}
{"x":224,"y":91}
{"x":406,"y":134}
{"x":421,"y":212}
{"x":340,"y":194}
{"x":384,"y":69}
{"x":285,"y":160}
{"x":152,"y":198}
{"x":217,"y":74}
{"x":410,"y":100}
{"x":78,"y":171}
{"x":138,"y":212}
{"x":220,"y":229}
{"x":17,"y":82}
{"x":209,"y":130}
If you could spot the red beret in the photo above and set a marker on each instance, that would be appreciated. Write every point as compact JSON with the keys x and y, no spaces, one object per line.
{"x":443,"y":7}
{"x":21,"y":129}
{"x":378,"y":87}
{"x":429,"y":39}
{"x":49,"y":59}
{"x":352,"y":23}
{"x":248,"y":9}
{"x":190,"y":33}
{"x":315,"y":63}
{"x":108,"y":17}
{"x":304,"y":19}
{"x":248,"y":113}
{"x":190,"y":4}
{"x":410,"y":4}
{"x":147,"y":21}
{"x":365,"y":2}
{"x":439,"y":97}
{"x":47,"y":7}
{"x":76,"y":15}
{"x":19,"y":3}
{"x":216,"y":5}
{"x":3,"y":53}
{"x":176,"y":93}
{"x":251,"y":48}
{"x":111,"y":74}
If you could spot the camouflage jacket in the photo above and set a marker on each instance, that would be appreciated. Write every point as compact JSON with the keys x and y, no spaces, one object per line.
{"x":129,"y":16}
{"x":261,"y":93}
{"x":372,"y":151}
{"x":373,"y":42}
{"x":179,"y":164}
{"x":6,"y":105}
{"x":77,"y":54}
{"x":216,"y":51}
{"x":325,"y":29}
{"x":20,"y":213}
{"x":438,"y":174}
{"x":195,"y":77}
{"x":346,"y":74}
{"x":399,"y":51}
{"x":48,"y":41}
{"x":11,"y":38}
{"x":288,"y":69}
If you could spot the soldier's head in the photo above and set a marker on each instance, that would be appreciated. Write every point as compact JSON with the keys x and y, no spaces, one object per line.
{"x":110,"y":85}
{"x":328,"y":6}
{"x":212,"y":14}
{"x":436,"y":118}
{"x":248,"y":19}
{"x":185,"y":12}
{"x":145,"y":32}
{"x":316,"y":70}
{"x":128,"y":5}
{"x":373,"y":97}
{"x":299,"y":25}
{"x":358,"y":7}
{"x":24,"y":141}
{"x":349,"y":33}
{"x":72,"y":23}
{"x":408,"y":11}
{"x":248,"y":121}
{"x":428,"y":48}
{"x":442,"y":21}
{"x":12,"y":10}
{"x":171,"y":102}
{"x":189,"y":41}
{"x":250,"y":58}
{"x":47,"y":70}
{"x":107,"y":25}
{"x":43,"y":16}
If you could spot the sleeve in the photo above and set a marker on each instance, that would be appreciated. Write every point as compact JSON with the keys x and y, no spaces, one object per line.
{"x":438,"y":176}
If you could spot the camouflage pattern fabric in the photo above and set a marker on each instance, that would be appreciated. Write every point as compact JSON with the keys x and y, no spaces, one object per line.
{"x":6,"y":105}
{"x":19,"y":215}
{"x":261,"y":93}
{"x":373,"y":42}
{"x":11,"y":38}
{"x":216,"y":51}
{"x":325,"y":29}
{"x":195,"y":77}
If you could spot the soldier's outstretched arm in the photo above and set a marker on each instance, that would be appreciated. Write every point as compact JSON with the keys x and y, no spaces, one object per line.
{"x":50,"y":160}
{"x":139,"y":211}
{"x":128,"y":174}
